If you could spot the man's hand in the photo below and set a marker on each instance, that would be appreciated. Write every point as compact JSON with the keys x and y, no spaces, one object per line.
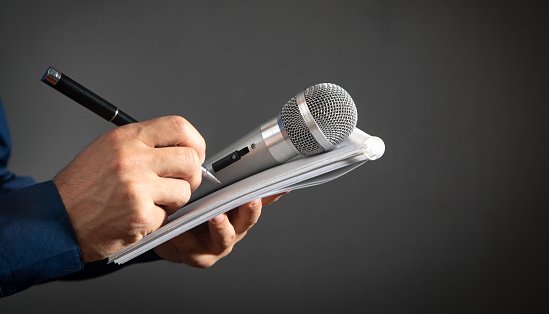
{"x":206,"y":244}
{"x":124,"y":184}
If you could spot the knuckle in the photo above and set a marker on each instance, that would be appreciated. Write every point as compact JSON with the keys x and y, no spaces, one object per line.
{"x":120,"y":162}
{"x":195,"y":182}
{"x":227,"y":242}
{"x":190,"y":155}
{"x":136,"y":228}
{"x":184,"y":127}
{"x":125,"y":160}
{"x":180,"y":124}
{"x":201,"y":145}
{"x":132,"y":237}
{"x":141,"y":221}
{"x":185,"y":193}
{"x":131,"y":191}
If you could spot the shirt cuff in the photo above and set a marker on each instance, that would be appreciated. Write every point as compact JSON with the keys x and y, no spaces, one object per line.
{"x":37,"y":241}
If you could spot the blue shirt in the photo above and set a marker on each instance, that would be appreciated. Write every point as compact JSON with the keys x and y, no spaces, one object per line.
{"x":37,"y":242}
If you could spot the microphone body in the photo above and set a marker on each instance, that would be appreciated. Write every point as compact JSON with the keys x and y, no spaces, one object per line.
{"x":317,"y":119}
{"x":260,"y":149}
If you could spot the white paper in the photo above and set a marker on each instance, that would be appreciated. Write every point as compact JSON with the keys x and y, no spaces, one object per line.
{"x":295,"y":174}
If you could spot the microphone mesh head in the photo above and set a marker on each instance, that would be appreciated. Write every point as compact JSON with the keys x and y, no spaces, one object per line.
{"x":333,"y":110}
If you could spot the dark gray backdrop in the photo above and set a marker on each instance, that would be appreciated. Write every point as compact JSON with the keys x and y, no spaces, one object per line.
{"x":452,"y":219}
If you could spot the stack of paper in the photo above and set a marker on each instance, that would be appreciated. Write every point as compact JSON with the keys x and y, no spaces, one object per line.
{"x":295,"y":174}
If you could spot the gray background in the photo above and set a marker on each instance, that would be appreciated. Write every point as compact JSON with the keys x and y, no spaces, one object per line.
{"x":452,"y":219}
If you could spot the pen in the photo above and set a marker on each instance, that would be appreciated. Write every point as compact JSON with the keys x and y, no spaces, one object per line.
{"x":96,"y":104}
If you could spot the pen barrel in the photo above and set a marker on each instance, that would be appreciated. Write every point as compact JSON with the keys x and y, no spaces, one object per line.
{"x":85,"y":97}
{"x":90,"y":100}
{"x":122,"y":118}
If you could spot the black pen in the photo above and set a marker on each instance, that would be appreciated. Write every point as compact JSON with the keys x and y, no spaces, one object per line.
{"x":68,"y":87}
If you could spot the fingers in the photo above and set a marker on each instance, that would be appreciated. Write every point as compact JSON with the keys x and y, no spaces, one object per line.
{"x":125,"y":183}
{"x":172,"y":131}
{"x":206,"y":244}
{"x":174,"y":152}
{"x":273,"y":198}
{"x":171,"y":194}
{"x":178,"y":162}
{"x":222,"y":234}
{"x":178,"y":175}
{"x":245,"y":216}
{"x":152,"y":220}
{"x":225,"y":233}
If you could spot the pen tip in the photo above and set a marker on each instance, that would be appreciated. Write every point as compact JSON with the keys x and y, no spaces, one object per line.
{"x":215,"y":179}
{"x":208,"y":175}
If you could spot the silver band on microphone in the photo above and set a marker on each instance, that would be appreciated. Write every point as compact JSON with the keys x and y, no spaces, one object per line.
{"x":277,"y":140}
{"x":311,"y":124}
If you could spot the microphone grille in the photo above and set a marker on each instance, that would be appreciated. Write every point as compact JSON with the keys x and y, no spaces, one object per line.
{"x":333,"y":110}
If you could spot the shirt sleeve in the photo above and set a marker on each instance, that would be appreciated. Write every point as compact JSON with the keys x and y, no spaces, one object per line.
{"x":37,"y":242}
{"x":36,"y":238}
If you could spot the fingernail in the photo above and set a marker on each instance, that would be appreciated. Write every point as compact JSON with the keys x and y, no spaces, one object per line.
{"x":219,"y":218}
{"x":255,"y":203}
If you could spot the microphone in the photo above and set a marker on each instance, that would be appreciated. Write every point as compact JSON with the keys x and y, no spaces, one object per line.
{"x":316,"y":120}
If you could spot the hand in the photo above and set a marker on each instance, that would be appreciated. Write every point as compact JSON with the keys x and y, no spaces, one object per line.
{"x":204,"y":245}
{"x":124,"y":184}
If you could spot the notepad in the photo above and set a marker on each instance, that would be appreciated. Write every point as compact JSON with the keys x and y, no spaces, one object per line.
{"x":297,"y":173}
